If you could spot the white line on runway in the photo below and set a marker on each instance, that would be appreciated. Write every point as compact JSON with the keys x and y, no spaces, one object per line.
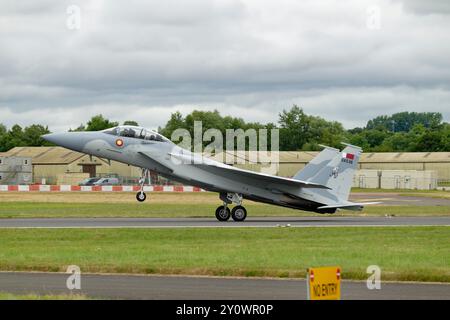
{"x":234,"y":226}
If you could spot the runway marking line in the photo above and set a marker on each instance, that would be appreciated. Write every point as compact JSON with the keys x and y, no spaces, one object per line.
{"x":252,"y":226}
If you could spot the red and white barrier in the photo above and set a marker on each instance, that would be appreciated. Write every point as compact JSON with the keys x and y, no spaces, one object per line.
{"x":68,"y":188}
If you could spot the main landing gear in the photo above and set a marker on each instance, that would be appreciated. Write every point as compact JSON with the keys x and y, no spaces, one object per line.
{"x":141,"y":196}
{"x":238,"y":213}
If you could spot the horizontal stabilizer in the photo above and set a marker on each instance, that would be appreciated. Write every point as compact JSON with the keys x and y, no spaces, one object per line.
{"x":349,"y":206}
{"x":351,"y":145}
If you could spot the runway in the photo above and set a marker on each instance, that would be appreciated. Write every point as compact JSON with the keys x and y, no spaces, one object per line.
{"x":320,"y":221}
{"x":398,"y":199}
{"x":207,"y":288}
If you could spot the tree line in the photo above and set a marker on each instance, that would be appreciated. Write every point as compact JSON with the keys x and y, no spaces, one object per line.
{"x":399,"y":132}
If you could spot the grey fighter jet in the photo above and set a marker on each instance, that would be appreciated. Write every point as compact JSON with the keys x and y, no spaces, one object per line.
{"x":322,"y":186}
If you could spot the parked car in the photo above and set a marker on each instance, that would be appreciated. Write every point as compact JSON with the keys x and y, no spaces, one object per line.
{"x":107,"y":182}
{"x":88,"y":182}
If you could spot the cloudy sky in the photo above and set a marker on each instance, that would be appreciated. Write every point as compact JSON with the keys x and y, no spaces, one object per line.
{"x":62,"y":62}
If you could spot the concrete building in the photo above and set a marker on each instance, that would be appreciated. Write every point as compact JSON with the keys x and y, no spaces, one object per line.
{"x":420,"y":161}
{"x":395,"y":179}
{"x":16,"y":170}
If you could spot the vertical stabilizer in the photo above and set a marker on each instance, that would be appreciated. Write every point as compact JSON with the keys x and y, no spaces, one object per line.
{"x":315,"y":165}
{"x":338,"y":174}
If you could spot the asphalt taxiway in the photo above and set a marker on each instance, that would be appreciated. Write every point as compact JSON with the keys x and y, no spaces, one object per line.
{"x":208,"y":288}
{"x":399,"y":199}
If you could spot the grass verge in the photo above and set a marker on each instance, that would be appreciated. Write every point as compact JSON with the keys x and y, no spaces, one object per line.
{"x":403,"y":253}
{"x":32,"y":296}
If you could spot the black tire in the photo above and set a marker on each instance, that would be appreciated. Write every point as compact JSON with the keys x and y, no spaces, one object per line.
{"x":239,"y":213}
{"x":141,"y":196}
{"x":222,"y":215}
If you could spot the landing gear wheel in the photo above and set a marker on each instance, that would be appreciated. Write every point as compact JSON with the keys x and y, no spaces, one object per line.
{"x":239,"y":213}
{"x":141,"y":196}
{"x":222,"y":214}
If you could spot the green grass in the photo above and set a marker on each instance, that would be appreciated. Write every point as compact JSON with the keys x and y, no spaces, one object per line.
{"x":403,"y":253}
{"x":32,"y":296}
{"x":70,"y":210}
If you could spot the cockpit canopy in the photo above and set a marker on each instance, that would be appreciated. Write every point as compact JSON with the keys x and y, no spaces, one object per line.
{"x":136,"y":132}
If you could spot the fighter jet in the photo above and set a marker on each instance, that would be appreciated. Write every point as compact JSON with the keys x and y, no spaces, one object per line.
{"x":322,"y":186}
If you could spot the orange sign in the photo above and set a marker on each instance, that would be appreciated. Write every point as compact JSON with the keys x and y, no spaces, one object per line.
{"x":324,"y":283}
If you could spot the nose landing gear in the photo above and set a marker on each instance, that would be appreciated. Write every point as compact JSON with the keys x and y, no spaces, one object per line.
{"x":141,"y":196}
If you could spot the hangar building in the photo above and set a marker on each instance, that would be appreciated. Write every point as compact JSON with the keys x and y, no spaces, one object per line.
{"x":292,"y":161}
{"x":57,"y":165}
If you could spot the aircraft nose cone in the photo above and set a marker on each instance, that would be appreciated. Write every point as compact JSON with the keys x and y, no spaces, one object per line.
{"x":55,"y":138}
{"x":48,"y":137}
{"x":70,"y":140}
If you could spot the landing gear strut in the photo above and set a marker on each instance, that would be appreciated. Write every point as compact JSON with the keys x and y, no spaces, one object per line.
{"x":141,"y":196}
{"x":239,"y":213}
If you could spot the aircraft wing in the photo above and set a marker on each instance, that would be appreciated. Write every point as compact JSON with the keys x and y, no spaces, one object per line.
{"x":349,"y":206}
{"x":227,"y":171}
{"x":267,"y":178}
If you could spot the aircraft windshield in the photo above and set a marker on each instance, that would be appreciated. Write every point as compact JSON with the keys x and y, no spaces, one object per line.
{"x":135,"y":132}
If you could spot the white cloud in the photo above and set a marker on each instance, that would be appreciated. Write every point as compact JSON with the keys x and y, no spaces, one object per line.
{"x":247,"y":58}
